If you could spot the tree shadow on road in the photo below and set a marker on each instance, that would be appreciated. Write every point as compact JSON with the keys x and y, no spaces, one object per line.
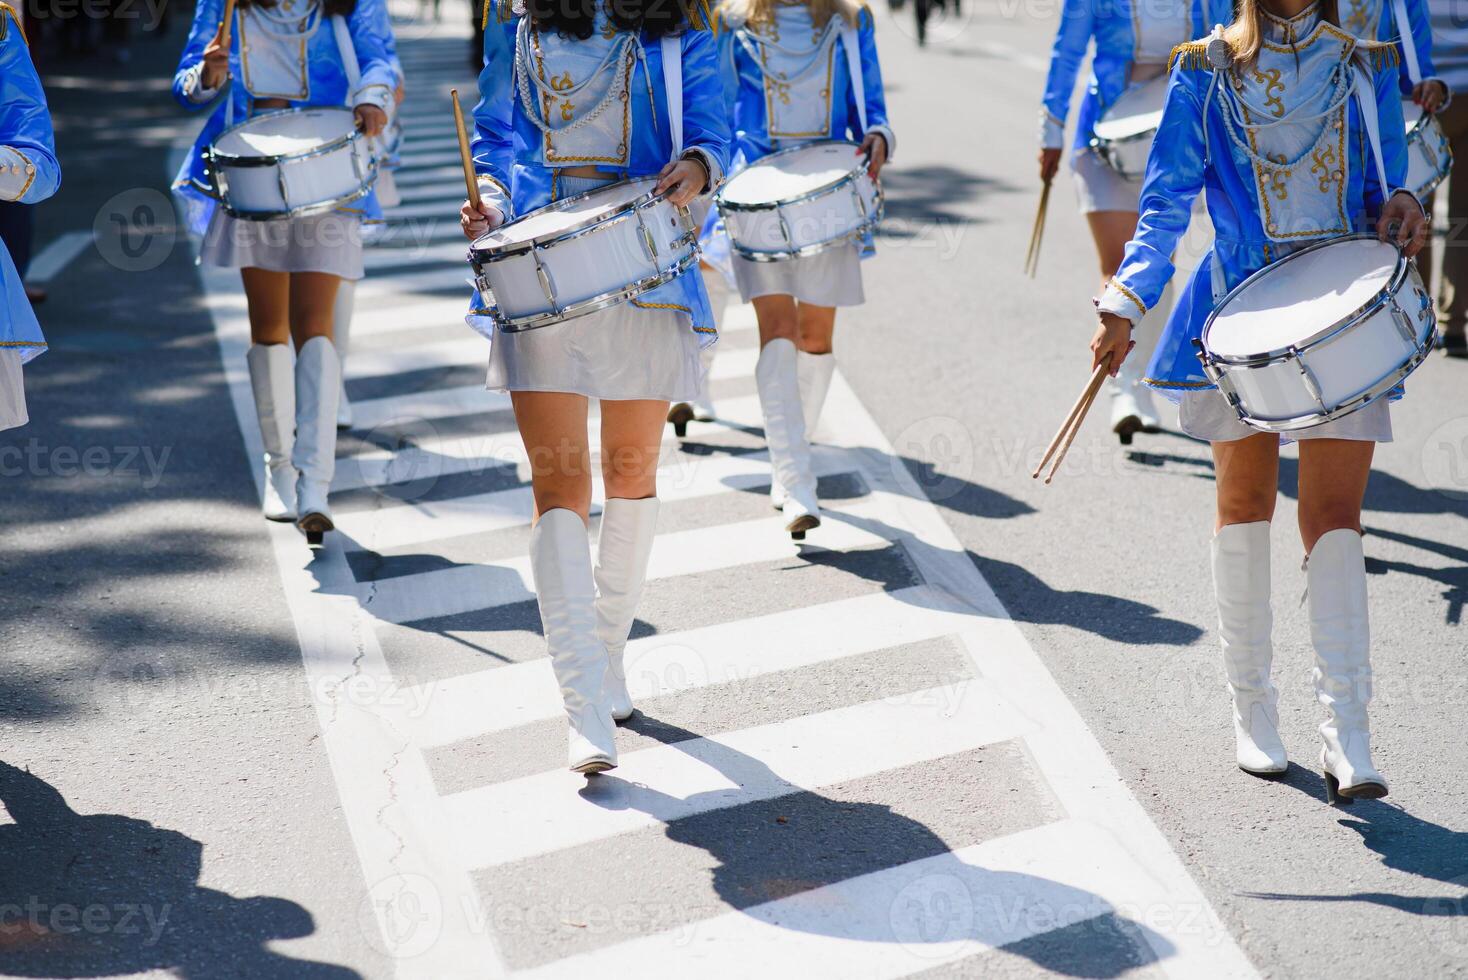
{"x":858,"y":871}
{"x":100,"y":894}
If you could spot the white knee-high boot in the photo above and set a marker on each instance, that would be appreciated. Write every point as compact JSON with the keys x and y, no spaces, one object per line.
{"x":1341,"y":633}
{"x":273,"y":385}
{"x":813,"y":372}
{"x":779,"y":395}
{"x":341,"y":335}
{"x":318,"y":385}
{"x":622,"y":550}
{"x":560,"y":561}
{"x":1241,"y":582}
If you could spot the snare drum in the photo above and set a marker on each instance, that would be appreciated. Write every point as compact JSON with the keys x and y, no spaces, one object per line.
{"x":1318,"y":334}
{"x":800,"y":201}
{"x":291,"y":163}
{"x":583,"y":254}
{"x":1429,"y":156}
{"x":1123,"y":134}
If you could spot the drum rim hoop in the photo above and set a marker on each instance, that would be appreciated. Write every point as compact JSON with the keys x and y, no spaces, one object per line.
{"x":852,"y":174}
{"x":625,"y":209}
{"x":595,"y":304}
{"x":1394,"y":284}
{"x":222,"y":159}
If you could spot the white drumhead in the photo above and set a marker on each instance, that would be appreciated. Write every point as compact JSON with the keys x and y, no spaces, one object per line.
{"x":556,"y":218}
{"x":1137,"y":110}
{"x":287,"y":133}
{"x":781,"y":177}
{"x":1300,"y":296}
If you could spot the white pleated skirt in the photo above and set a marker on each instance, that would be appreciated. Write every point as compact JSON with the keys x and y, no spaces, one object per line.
{"x":329,"y":243}
{"x":617,"y":354}
{"x":12,"y":391}
{"x":829,"y":278}
{"x":1098,"y":187}
{"x":1206,"y":414}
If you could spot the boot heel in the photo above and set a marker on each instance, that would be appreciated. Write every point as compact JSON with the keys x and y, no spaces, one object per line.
{"x":680,"y":415}
{"x":1333,"y":795}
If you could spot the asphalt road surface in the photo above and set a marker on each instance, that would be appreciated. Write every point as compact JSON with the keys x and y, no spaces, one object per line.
{"x":975,"y":727}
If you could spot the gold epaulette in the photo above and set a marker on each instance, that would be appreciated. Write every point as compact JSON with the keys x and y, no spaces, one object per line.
{"x":701,"y":16}
{"x":1383,"y":54}
{"x":8,"y":14}
{"x":1190,"y":56}
{"x":504,"y":11}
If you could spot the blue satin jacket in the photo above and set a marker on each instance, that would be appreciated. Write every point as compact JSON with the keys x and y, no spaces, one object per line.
{"x":1121,"y":40}
{"x":510,"y":151}
{"x":751,"y":61}
{"x":1377,"y":19}
{"x":372,"y":38}
{"x":25,"y":128}
{"x":1261,"y":211}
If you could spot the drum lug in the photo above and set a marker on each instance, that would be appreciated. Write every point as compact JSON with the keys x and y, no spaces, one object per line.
{"x":785,"y":227}
{"x":285,"y":195}
{"x":1312,"y":383}
{"x":648,"y":243}
{"x":1404,"y":324}
{"x":547,"y":284}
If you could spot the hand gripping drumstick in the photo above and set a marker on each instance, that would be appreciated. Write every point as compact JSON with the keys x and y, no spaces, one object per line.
{"x":1032,"y":257}
{"x":469,"y":182}
{"x":1073,"y":420}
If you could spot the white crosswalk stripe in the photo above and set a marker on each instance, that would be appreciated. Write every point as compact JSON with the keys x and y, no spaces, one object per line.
{"x":427,"y":827}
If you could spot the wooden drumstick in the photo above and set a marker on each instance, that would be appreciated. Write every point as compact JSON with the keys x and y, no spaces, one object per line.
{"x":1037,"y":234}
{"x":226,"y":26}
{"x":470,"y":183}
{"x":1091,"y":390}
{"x":1075,"y":416}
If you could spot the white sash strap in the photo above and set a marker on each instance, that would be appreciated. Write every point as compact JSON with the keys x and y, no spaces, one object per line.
{"x":853,"y":65}
{"x":1409,"y":42}
{"x":349,"y":54}
{"x":673,"y":84}
{"x":1366,"y":99}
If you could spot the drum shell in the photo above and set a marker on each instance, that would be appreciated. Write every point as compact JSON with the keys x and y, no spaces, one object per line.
{"x":293,"y":185}
{"x":1429,"y":156}
{"x":1357,"y":362}
{"x":599,"y":262}
{"x":814,"y":222}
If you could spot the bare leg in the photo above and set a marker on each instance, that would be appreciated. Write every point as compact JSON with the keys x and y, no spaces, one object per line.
{"x":553,"y":428}
{"x":1247,"y":478}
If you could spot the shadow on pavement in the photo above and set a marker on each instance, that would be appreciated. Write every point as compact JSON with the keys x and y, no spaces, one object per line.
{"x":90,"y":895}
{"x":819,"y":844}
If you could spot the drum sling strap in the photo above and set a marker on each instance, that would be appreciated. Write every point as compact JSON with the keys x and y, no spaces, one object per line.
{"x":673,"y":85}
{"x":853,"y":66}
{"x":1409,"y":42}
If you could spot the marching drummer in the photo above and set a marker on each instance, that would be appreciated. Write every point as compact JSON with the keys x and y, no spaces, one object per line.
{"x":1281,"y":84}
{"x":291,"y":267}
{"x":1132,"y":42}
{"x":1408,"y":25}
{"x":795,"y":73}
{"x":543,"y":133}
{"x":28,"y":173}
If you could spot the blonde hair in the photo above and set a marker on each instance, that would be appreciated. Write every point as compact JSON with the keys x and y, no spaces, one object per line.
{"x":1245,"y":35}
{"x":758,"y":13}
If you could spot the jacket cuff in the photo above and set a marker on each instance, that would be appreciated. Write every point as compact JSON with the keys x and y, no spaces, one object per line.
{"x":17,"y":173}
{"x":1121,"y":301}
{"x":495,"y":195}
{"x":1052,"y":131}
{"x":886,"y":133}
{"x":710,"y":163}
{"x":193,"y":85}
{"x":1402,"y":190}
{"x":375,"y":94}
